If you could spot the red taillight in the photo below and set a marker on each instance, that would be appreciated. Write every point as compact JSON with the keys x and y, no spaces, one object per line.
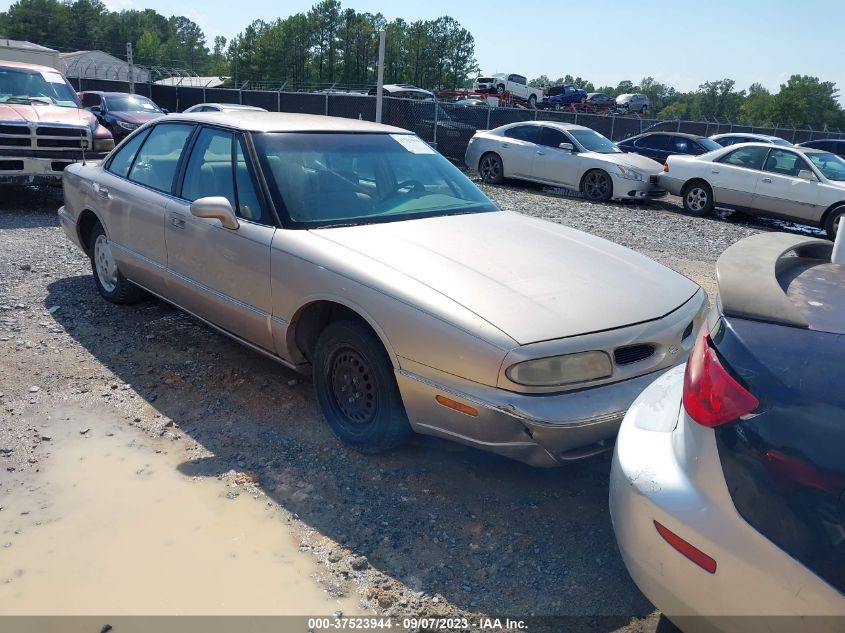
{"x":665,"y":166}
{"x":687,"y":549}
{"x":711,"y":395}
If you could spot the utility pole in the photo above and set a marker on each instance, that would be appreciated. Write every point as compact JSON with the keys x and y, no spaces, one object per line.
{"x":130,"y":60}
{"x":380,"y":82}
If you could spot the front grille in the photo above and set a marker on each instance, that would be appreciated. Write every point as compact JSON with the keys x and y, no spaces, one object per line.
{"x":58,"y":165}
{"x":17,"y":130}
{"x":15,"y":141}
{"x":654,"y":179}
{"x":70,"y":143}
{"x":11,"y":165}
{"x":51,"y":130}
{"x":632,"y":353}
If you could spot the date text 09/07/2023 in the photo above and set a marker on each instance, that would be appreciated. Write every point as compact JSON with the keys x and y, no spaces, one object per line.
{"x":429,"y":624}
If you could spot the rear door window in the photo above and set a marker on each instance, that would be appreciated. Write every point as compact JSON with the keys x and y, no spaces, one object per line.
{"x":785,"y":163}
{"x":121,"y":162}
{"x":655,"y":141}
{"x":748,"y":157}
{"x":523,"y":133}
{"x":158,"y":160}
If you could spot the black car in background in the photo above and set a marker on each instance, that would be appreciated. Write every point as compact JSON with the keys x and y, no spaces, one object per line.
{"x":781,"y":335}
{"x":599,"y":102}
{"x":832,"y":145}
{"x":120,"y":112}
{"x":660,"y":145}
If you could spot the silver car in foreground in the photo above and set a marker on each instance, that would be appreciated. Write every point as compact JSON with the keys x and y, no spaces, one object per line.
{"x":564,"y":155}
{"x":796,"y":183}
{"x":355,"y":252}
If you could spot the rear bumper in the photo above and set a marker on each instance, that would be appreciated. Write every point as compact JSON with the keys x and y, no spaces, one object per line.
{"x":670,"y":184}
{"x":666,"y":468}
{"x":68,"y":224}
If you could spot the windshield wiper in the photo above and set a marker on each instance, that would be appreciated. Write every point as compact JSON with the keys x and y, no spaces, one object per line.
{"x":23,"y":99}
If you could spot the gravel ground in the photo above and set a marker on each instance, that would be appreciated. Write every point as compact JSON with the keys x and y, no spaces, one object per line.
{"x":431,"y":529}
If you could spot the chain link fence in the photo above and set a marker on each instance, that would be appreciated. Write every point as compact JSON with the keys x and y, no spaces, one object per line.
{"x":445,"y":125}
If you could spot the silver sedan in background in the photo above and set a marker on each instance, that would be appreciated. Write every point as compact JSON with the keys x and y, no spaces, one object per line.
{"x":564,"y":155}
{"x":354,"y":252}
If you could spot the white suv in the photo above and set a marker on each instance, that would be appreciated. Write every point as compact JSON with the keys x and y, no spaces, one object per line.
{"x":517,"y":85}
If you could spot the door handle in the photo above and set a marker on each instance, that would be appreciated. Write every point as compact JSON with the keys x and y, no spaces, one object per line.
{"x":714,"y":171}
{"x":505,"y":144}
{"x":541,"y":153}
{"x":101,"y":191}
{"x":767,"y":180}
{"x":178,"y":223}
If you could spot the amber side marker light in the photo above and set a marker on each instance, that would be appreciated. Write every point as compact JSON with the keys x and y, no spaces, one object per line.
{"x":665,"y":166}
{"x":687,"y":549}
{"x":457,"y":406}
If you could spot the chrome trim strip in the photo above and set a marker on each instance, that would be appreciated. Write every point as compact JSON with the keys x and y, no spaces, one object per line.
{"x":137,"y":255}
{"x":220,"y":295}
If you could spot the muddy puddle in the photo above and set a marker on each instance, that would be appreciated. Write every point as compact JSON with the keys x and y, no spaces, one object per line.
{"x":110,"y":527}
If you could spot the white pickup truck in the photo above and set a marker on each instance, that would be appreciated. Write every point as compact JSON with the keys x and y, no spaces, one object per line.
{"x":517,"y":85}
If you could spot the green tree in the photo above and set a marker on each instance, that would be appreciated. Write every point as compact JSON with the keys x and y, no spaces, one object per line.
{"x":148,"y":49}
{"x":805,"y":101}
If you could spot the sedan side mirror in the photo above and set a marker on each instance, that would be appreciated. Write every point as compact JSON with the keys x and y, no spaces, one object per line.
{"x":806,"y":174}
{"x":567,"y":146}
{"x":215,"y":208}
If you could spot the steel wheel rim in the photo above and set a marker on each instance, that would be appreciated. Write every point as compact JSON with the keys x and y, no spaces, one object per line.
{"x":353,"y":387}
{"x":489,"y":168}
{"x":104,"y":264}
{"x":697,"y":199}
{"x":596,"y":186}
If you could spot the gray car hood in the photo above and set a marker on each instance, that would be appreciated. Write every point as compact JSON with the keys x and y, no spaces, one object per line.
{"x":637,"y":161}
{"x":532,"y":279}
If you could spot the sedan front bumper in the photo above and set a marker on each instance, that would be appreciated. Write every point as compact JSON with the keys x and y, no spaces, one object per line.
{"x":646,"y":189}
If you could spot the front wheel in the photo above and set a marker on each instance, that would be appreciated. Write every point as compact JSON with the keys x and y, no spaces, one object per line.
{"x":491,"y":169}
{"x":111,"y":284}
{"x":532,"y":101}
{"x":500,"y":89}
{"x":356,"y":388}
{"x":597,"y":186}
{"x":834,"y":221}
{"x":698,"y":198}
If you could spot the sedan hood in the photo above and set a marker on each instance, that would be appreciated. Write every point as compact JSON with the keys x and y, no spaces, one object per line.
{"x":534,"y":280}
{"x":637,"y":161}
{"x":138,"y":118}
{"x":46,"y":114}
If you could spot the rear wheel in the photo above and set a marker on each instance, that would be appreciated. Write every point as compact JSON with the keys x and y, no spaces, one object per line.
{"x":356,"y":388}
{"x":597,"y":186}
{"x":532,"y":101}
{"x":111,"y":284}
{"x":834,"y":221}
{"x":500,"y":89}
{"x":491,"y":169}
{"x":698,"y":198}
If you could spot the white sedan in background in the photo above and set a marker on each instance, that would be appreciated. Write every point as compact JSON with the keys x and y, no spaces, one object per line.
{"x":221,"y":107}
{"x":564,"y":155}
{"x":796,"y":183}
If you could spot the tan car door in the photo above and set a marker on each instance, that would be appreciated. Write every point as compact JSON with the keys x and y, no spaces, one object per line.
{"x":781,"y":191}
{"x":222,"y":275}
{"x":133,"y":194}
{"x":734,"y":176}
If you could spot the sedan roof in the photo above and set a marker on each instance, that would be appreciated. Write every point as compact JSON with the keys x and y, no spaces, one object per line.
{"x":257,"y":121}
{"x":693,"y":137}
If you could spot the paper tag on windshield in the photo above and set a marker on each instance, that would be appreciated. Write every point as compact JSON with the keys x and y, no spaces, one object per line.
{"x":413,"y":144}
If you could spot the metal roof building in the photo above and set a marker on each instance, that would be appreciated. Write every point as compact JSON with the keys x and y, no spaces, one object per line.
{"x":27,"y":52}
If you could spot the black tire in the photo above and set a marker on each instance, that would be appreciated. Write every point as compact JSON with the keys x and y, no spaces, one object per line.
{"x":356,"y":389}
{"x":532,"y":101}
{"x":113,"y":287}
{"x":500,"y":89}
{"x":834,"y":220}
{"x":597,"y":186}
{"x":491,"y":169}
{"x":698,"y":198}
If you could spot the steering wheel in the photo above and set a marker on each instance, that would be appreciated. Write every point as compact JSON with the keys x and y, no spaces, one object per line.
{"x":411,"y":185}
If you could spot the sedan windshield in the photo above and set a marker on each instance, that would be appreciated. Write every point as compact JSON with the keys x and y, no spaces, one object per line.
{"x":708,"y":144}
{"x":27,"y":86}
{"x":594,"y":142}
{"x":830,"y":165}
{"x":129,"y":103}
{"x":330,"y":179}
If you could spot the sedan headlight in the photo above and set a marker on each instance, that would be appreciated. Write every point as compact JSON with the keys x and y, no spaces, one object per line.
{"x":103,"y":144}
{"x":555,"y":371}
{"x":629,"y":174}
{"x":127,"y":126}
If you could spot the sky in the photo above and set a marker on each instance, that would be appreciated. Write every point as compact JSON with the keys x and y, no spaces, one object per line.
{"x":679,"y":42}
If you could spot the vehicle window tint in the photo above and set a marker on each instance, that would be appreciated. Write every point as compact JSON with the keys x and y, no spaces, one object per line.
{"x":159,"y":157}
{"x":551,"y":137}
{"x":209,"y":170}
{"x":748,"y":157}
{"x":123,"y":157}
{"x":655,"y":141}
{"x":520,"y":79}
{"x":784,"y":163}
{"x":523,"y":133}
{"x":682,"y":145}
{"x":249,"y":205}
{"x":89,"y":100}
